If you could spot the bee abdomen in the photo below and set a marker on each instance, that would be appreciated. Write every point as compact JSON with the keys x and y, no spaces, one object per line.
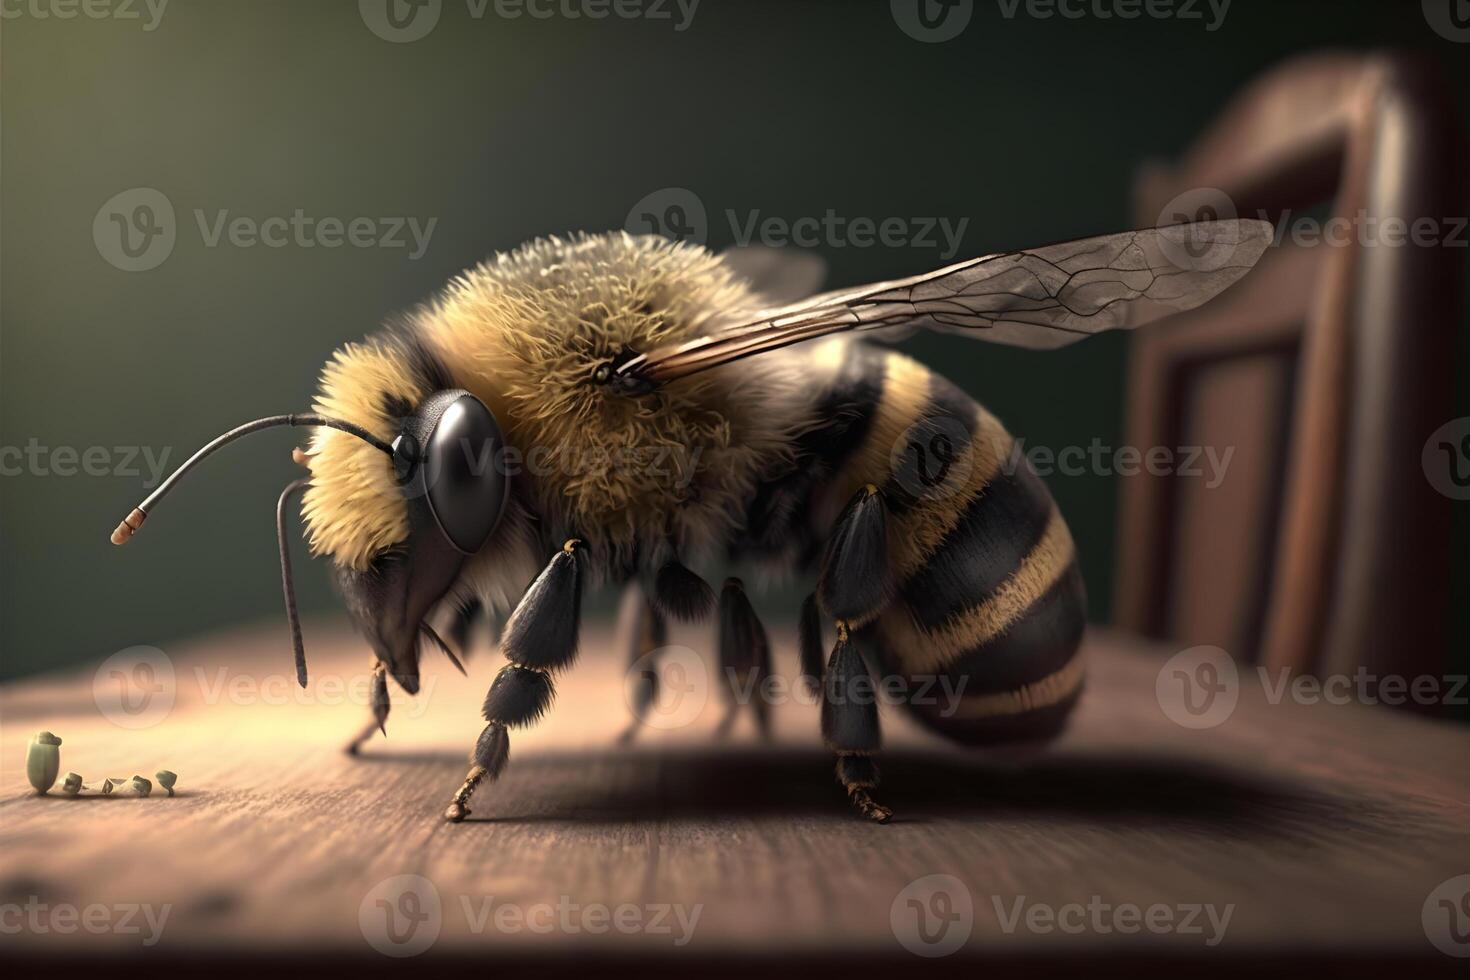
{"x":995,"y":614}
{"x":990,"y":607}
{"x":987,"y":596}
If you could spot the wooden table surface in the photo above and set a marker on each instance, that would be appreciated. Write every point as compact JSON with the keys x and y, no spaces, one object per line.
{"x":1323,"y":829}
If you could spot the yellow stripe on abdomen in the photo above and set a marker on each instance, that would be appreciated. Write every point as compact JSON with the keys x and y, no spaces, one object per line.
{"x":929,"y":650}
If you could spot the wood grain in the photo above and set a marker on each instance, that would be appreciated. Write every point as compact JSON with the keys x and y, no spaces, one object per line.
{"x":1326,"y":826}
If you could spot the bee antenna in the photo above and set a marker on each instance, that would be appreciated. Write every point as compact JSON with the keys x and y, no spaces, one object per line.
{"x":134,"y":520}
{"x":288,"y":585}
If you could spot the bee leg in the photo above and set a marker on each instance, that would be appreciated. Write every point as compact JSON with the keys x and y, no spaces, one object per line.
{"x":745,"y":658}
{"x":648,"y":632}
{"x":810,"y":646}
{"x":681,"y":594}
{"x":858,"y":774}
{"x":855,"y":583}
{"x":761,"y":703}
{"x":541,"y":636}
{"x":380,"y":707}
{"x":850,"y":724}
{"x":854,"y":587}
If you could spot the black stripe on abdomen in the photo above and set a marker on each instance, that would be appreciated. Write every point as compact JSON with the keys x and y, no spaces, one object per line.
{"x":999,"y":528}
{"x":1019,"y":685}
{"x":1040,"y":643}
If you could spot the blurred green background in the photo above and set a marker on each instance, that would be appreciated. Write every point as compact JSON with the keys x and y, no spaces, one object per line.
{"x":504,"y":129}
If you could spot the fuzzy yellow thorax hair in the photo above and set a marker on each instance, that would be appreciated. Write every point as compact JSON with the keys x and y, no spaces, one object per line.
{"x":525,"y":332}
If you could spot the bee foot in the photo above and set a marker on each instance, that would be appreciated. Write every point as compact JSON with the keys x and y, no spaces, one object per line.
{"x":354,"y":747}
{"x":868,"y":808}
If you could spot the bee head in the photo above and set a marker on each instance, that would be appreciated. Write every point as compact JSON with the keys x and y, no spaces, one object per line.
{"x":407,"y":481}
{"x":447,"y":476}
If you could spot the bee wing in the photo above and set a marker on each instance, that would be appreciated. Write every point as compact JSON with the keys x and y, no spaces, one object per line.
{"x":1039,"y":298}
{"x":778,"y":275}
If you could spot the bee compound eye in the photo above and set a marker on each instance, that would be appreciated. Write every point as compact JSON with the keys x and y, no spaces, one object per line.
{"x":465,"y":481}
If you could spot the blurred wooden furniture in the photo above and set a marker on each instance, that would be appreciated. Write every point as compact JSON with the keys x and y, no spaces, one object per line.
{"x":1325,"y":848}
{"x":1325,"y":549}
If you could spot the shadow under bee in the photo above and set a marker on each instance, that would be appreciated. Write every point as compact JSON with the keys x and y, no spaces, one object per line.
{"x":739,"y":783}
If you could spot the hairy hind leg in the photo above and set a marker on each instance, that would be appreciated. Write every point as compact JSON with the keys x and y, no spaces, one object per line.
{"x":850,"y":725}
{"x":540,"y":637}
{"x":854,"y":588}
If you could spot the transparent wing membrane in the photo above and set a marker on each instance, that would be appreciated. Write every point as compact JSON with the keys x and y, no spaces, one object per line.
{"x":1039,"y":298}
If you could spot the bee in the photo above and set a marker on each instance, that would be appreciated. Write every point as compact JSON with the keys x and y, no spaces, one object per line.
{"x":612,"y":409}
